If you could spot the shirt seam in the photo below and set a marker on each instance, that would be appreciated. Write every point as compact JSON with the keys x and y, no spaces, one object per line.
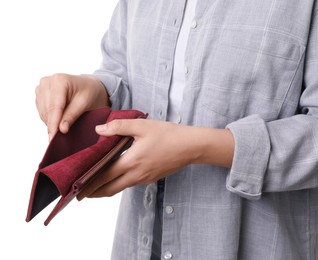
{"x":291,"y":84}
{"x":244,"y":174}
{"x":269,"y":29}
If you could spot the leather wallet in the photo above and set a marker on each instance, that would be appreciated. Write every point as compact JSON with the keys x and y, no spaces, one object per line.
{"x":72,"y":160}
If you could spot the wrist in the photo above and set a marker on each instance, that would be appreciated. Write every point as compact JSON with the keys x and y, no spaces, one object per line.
{"x":211,"y":146}
{"x":102,"y":97}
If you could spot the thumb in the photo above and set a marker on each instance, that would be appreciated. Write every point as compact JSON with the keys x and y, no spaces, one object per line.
{"x":124,"y":127}
{"x":70,"y":115}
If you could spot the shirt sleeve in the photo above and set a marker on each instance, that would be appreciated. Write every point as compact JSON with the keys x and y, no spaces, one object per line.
{"x":113,"y":69}
{"x":280,"y":155}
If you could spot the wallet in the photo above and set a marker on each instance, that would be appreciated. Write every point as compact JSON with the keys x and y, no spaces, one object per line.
{"x":73,"y":159}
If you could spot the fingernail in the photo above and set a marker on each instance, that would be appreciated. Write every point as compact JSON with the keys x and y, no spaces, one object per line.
{"x":65,"y":126}
{"x":79,"y":198}
{"x":100,"y":128}
{"x":50,"y":137}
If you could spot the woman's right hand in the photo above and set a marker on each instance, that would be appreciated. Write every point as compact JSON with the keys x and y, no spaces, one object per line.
{"x":62,"y":98}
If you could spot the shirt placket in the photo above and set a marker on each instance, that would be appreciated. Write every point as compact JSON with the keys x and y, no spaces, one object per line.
{"x":166,"y":52}
{"x":164,"y":64}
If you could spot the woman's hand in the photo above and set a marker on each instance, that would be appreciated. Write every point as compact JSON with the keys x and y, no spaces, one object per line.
{"x":62,"y":98}
{"x":159,"y":150}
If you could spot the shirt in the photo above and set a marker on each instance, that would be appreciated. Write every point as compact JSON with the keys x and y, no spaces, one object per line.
{"x":251,"y":67}
{"x":178,"y":75}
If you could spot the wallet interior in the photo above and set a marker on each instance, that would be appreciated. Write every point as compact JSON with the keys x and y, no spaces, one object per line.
{"x":45,"y":193}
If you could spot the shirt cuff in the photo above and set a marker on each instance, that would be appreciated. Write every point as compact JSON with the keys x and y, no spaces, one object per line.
{"x":113,"y":87}
{"x":251,"y":155}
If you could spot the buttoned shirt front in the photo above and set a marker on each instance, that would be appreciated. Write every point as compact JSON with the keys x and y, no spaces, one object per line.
{"x":251,"y":67}
{"x":178,"y":73}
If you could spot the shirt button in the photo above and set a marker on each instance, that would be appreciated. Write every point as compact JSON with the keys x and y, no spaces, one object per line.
{"x":179,"y":119}
{"x":160,"y":113}
{"x":145,"y":240}
{"x":148,"y":200}
{"x":169,"y":210}
{"x":186,"y":69}
{"x":194,"y":24}
{"x":167,"y":255}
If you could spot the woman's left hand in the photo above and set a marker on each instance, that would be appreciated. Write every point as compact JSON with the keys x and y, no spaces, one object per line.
{"x":159,"y":149}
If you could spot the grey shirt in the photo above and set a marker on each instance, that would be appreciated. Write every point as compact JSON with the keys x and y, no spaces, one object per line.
{"x":251,"y":66}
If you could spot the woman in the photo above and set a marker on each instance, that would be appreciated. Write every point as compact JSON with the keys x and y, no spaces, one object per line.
{"x":233,"y":175}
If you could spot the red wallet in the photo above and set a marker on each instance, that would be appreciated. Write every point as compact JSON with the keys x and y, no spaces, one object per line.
{"x":72,"y":160}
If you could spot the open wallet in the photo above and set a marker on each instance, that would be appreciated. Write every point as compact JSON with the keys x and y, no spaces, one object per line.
{"x":73,"y":159}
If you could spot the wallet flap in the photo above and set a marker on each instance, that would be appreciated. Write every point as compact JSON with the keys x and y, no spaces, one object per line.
{"x":62,"y":203}
{"x":82,"y":134}
{"x":89,"y":175}
{"x":43,"y":193}
{"x":65,"y":172}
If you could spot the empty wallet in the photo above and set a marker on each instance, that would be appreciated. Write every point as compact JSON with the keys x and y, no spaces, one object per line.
{"x":73,"y":159}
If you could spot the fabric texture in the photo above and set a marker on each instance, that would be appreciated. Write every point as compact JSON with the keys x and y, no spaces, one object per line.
{"x":251,"y":67}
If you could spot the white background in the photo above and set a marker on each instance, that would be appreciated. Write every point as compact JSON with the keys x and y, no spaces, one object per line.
{"x":39,"y":38}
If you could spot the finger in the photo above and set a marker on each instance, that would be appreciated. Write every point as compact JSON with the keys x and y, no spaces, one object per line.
{"x":42,"y":99}
{"x":117,"y":169}
{"x":41,"y":107}
{"x":55,"y":109}
{"x":71,"y":113}
{"x":124,"y":127}
{"x":117,"y":185}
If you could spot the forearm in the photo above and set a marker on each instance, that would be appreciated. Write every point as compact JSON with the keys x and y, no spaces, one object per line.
{"x":210,"y":146}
